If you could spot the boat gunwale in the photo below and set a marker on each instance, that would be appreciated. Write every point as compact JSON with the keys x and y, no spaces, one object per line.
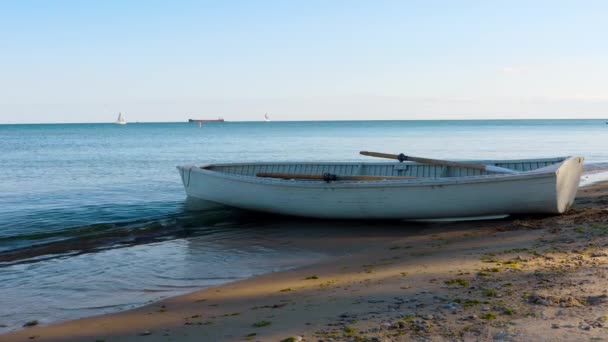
{"x":544,"y":172}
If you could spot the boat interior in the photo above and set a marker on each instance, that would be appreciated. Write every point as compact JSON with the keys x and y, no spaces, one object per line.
{"x":390,"y":169}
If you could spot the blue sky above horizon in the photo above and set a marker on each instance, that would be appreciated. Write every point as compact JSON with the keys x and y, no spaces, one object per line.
{"x":81,"y":61}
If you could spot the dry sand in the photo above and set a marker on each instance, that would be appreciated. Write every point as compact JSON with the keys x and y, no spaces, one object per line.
{"x":520,"y":279}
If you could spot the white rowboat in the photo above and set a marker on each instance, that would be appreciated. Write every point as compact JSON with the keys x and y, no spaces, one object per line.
{"x":539,"y":186}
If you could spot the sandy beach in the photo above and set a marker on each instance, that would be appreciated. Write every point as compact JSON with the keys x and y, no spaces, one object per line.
{"x":316,"y":171}
{"x":517,"y":279}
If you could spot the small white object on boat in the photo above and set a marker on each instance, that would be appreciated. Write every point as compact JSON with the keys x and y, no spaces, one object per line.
{"x":545,"y":186}
{"x":121,"y":120}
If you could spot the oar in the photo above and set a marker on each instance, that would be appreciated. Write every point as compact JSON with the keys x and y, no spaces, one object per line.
{"x":401,"y":157}
{"x":328,"y":177}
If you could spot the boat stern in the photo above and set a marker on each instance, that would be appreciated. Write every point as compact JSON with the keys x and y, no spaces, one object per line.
{"x":568,"y":178}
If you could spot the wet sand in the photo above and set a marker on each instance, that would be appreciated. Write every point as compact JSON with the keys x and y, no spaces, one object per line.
{"x":523,"y":278}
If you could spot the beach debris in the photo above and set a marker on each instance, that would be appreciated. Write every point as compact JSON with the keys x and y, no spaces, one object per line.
{"x":488,"y":316}
{"x":419,"y":325}
{"x":327,"y":283}
{"x":375,"y":301}
{"x":584,"y":327}
{"x":292,"y":339}
{"x":566,"y":301}
{"x":450,"y":305}
{"x":470,"y":303}
{"x":400,"y":325}
{"x":597,"y":300}
{"x":262,"y":323}
{"x":458,"y":281}
{"x":502,"y":335}
{"x":350,"y":331}
{"x":231,"y":314}
{"x":489,"y":292}
{"x":312,"y":277}
{"x":198,"y":323}
{"x":555,"y":326}
{"x":274,"y":306}
{"x":286,"y":290}
{"x":145,"y":333}
{"x":31,"y":323}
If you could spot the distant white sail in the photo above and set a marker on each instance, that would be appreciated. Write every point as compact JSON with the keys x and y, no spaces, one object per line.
{"x":121,"y":120}
{"x":266,"y":118}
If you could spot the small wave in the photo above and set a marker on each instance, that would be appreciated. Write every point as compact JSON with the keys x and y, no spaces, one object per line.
{"x":594,"y":173}
{"x":100,"y":307}
{"x":197,"y":278}
{"x":94,"y":228}
{"x":35,"y":247}
{"x":595,"y":167}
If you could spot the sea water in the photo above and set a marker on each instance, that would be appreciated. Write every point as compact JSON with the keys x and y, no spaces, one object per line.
{"x":93,"y":216}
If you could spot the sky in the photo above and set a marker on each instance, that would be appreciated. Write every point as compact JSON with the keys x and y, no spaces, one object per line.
{"x":85,"y":61}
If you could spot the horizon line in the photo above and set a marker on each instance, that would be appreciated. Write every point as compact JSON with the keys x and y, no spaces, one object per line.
{"x":336,"y":120}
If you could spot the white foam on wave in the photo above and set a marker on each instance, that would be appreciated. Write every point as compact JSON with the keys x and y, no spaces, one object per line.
{"x":594,"y":173}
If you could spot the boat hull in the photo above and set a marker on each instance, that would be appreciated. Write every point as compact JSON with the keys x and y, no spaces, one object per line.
{"x":551,"y":191}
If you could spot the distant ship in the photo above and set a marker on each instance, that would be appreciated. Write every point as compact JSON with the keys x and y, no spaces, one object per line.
{"x":220,"y":119}
{"x":121,"y":120}
{"x":266,"y":117}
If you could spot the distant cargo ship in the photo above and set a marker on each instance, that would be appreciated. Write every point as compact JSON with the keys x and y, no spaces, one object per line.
{"x":206,"y":120}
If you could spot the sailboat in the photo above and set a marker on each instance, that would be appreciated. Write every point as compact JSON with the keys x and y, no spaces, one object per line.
{"x":266,"y":118}
{"x":121,"y":120}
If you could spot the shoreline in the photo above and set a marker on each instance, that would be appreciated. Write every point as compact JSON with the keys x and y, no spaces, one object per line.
{"x":520,"y":278}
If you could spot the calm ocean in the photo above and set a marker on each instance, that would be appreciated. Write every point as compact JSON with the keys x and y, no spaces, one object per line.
{"x":80,"y":191}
